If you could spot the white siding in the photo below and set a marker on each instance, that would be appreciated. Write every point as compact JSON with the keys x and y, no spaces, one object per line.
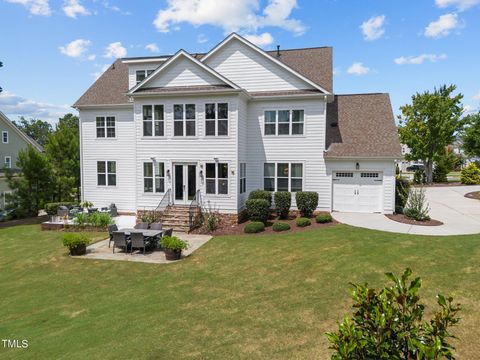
{"x":251,"y":70}
{"x":132,"y":71}
{"x":242,"y":149}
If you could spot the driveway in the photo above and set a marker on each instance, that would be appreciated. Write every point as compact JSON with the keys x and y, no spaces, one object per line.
{"x":460,"y":215}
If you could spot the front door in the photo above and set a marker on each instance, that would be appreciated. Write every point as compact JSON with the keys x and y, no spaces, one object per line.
{"x":185,"y":183}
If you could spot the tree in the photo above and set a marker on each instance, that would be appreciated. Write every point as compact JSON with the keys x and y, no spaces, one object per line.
{"x":429,"y":124}
{"x":471,"y":135}
{"x":38,"y":130}
{"x":63,"y":151}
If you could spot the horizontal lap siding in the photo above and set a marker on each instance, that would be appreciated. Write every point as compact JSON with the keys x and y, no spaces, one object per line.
{"x":132,"y":71}
{"x":242,"y":148}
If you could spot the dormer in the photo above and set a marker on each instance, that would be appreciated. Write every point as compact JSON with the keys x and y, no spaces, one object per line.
{"x":140,"y":68}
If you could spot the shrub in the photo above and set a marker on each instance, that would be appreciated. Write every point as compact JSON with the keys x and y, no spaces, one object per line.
{"x":388,"y":324}
{"x":323,"y":218}
{"x":419,"y":177}
{"x":173,"y":243}
{"x":258,"y":209}
{"x":470,"y":175}
{"x":150,"y":216}
{"x":51,"y":208}
{"x":72,"y":240}
{"x":417,"y":206}
{"x":261,"y":194}
{"x":81,"y":219}
{"x":100,"y":219}
{"x":302,"y":222}
{"x":402,"y":188}
{"x":283,"y":201}
{"x":254,"y":227}
{"x":280,"y":226}
{"x":86,"y":204}
{"x":307,"y":202}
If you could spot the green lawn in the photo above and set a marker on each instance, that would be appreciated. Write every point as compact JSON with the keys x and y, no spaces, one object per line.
{"x":238,"y":297}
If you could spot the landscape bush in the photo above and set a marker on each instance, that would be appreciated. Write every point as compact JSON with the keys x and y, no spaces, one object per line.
{"x":470,"y":175}
{"x":96,"y":219}
{"x":303,"y":221}
{"x":261,"y":194}
{"x":254,"y":227}
{"x":280,"y":226}
{"x":402,"y":189}
{"x":72,"y":240}
{"x":283,"y":201}
{"x":419,"y":177}
{"x":323,"y":218}
{"x":307,"y":202}
{"x":258,"y":209}
{"x":417,"y":206}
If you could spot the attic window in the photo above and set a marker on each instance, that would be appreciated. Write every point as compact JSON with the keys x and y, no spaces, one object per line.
{"x":142,"y":74}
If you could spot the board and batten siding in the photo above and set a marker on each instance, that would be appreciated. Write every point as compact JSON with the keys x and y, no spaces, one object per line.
{"x":307,"y":149}
{"x":120,"y":149}
{"x":132,"y":71}
{"x":251,"y":70}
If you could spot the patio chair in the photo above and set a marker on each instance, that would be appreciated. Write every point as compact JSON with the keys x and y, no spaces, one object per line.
{"x":120,"y":241}
{"x":154,"y":239}
{"x":111,"y":229}
{"x":156,"y":226}
{"x":167,"y":232}
{"x":138,"y":241}
{"x":113,"y":210}
{"x":142,"y":226}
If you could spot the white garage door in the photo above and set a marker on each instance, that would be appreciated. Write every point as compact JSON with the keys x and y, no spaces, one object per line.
{"x":357,"y":191}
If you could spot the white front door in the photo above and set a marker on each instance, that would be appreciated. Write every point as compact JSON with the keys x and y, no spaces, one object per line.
{"x":184,"y":183}
{"x":357,"y":191}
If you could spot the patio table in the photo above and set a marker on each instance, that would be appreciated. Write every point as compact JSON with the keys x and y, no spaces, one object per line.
{"x":147,"y":233}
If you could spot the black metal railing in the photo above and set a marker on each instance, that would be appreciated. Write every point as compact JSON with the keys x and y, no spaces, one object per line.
{"x":165,"y":202}
{"x":193,"y":209}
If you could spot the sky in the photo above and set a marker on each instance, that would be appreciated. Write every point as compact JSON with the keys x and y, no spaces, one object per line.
{"x":53,"y":50}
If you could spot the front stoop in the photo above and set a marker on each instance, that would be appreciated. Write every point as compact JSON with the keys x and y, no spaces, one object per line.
{"x":177,"y":217}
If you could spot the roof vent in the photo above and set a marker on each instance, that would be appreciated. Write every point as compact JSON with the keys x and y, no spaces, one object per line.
{"x":278,"y":50}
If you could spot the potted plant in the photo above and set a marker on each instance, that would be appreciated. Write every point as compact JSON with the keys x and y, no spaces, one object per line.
{"x":173,"y":247}
{"x":76,"y":243}
{"x":86,"y":204}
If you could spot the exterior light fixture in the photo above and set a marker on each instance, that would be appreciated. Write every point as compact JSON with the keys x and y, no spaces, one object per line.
{"x":357,"y":166}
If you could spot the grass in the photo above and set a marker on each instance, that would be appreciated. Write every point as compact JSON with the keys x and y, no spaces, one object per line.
{"x":241,"y":297}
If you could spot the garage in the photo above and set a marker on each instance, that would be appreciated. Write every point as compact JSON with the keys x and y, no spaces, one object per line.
{"x":357,"y":191}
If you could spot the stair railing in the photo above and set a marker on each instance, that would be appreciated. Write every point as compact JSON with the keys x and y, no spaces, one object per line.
{"x":165,"y":202}
{"x":193,"y":208}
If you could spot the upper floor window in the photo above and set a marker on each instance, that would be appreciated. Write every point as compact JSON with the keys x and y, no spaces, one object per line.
{"x":243,"y":177}
{"x":5,"y":137}
{"x":284,"y":122}
{"x":153,"y":120}
{"x":216,"y":119}
{"x":216,"y":178}
{"x":153,"y":177}
{"x":105,"y":126}
{"x":283,"y":177}
{"x":142,"y":74}
{"x":8,"y":162}
{"x":184,"y":116}
{"x":106,"y":173}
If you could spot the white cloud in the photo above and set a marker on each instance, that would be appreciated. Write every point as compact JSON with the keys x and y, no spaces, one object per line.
{"x":35,"y":7}
{"x":443,"y":26}
{"x":477,"y":97}
{"x":202,"y":39}
{"x":77,"y":49}
{"x":417,"y":60}
{"x":244,"y":16}
{"x":152,"y":48}
{"x":115,"y":8}
{"x":115,"y":50}
{"x":102,"y":69}
{"x":373,"y":28}
{"x":261,"y":40}
{"x":461,"y":5}
{"x":358,"y":69}
{"x":73,"y":7}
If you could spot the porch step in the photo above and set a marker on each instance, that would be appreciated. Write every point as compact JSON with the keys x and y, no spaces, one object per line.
{"x":177,"y":217}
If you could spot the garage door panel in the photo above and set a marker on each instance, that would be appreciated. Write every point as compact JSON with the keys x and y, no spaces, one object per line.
{"x":344,"y":198}
{"x":357,"y":191}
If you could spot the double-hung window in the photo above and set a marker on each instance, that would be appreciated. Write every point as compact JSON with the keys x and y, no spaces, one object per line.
{"x":184,"y":116}
{"x":153,"y":120}
{"x":216,"y":178}
{"x":284,"y":122}
{"x":216,"y":119}
{"x":153,"y":177}
{"x":5,"y":137}
{"x":140,"y":75}
{"x":106,"y":173}
{"x":8,"y":162}
{"x":283,"y":177}
{"x":105,"y":126}
{"x":243,"y":177}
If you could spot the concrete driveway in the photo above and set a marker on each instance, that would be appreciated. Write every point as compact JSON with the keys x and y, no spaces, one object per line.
{"x":460,"y":215}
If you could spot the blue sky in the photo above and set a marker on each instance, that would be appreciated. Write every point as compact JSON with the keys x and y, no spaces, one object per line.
{"x":53,"y":50}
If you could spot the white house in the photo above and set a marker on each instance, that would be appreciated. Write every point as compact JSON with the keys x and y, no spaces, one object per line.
{"x":230,"y":121}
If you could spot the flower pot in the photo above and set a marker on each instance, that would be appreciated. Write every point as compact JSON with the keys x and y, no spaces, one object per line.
{"x":173,"y":254}
{"x":78,"y":250}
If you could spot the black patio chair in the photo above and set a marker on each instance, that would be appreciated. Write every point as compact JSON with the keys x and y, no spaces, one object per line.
{"x":111,"y":230}
{"x":141,"y":226}
{"x":156,"y":226}
{"x":138,"y":241}
{"x":120,"y":241}
{"x":113,"y":210}
{"x":167,"y":232}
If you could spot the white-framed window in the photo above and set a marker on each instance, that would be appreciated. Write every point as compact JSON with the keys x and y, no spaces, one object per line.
{"x":8,"y":162}
{"x":369,"y":174}
{"x":105,"y":126}
{"x":153,"y":120}
{"x":284,"y":122}
{"x":216,"y":178}
{"x":153,"y":177}
{"x":243,"y":177}
{"x":283,"y":176}
{"x":216,"y":119}
{"x":5,"y":137}
{"x":184,"y":117}
{"x":344,"y":174}
{"x":106,"y":173}
{"x":140,"y":75}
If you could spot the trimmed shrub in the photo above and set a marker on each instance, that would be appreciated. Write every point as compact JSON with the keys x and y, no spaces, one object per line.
{"x":72,"y":240}
{"x":470,"y":175}
{"x":302,"y":222}
{"x":402,"y":188}
{"x":254,"y":227}
{"x":307,"y":202}
{"x":323,"y":218}
{"x":261,"y":194}
{"x":283,"y":201}
{"x":258,"y":209}
{"x":280,"y":226}
{"x":417,"y":206}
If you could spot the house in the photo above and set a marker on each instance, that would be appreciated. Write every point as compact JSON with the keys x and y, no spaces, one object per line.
{"x":235,"y":119}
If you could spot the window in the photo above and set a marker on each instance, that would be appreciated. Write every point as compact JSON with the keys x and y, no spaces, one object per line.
{"x":369,"y":174}
{"x":284,"y":122}
{"x":216,"y":176}
{"x":216,"y":119}
{"x":105,"y":126}
{"x":184,"y":120}
{"x":153,"y":120}
{"x":142,"y":74}
{"x":283,"y":177}
{"x":106,"y":173}
{"x":5,"y":137}
{"x":243,"y":177}
{"x":153,"y":177}
{"x":8,"y":162}
{"x":344,"y":174}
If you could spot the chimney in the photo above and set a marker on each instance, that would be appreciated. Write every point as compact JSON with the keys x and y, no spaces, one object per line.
{"x":278,"y":50}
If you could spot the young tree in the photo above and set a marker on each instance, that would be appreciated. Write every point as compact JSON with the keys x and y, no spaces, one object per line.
{"x":471,"y":135}
{"x":38,"y":130}
{"x":429,"y":124}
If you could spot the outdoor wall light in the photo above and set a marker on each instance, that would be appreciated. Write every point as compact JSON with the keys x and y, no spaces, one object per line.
{"x":201,"y":174}
{"x":215,"y":158}
{"x":357,"y":166}
{"x":168,"y":173}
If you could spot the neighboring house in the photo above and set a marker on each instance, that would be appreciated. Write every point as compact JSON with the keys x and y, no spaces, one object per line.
{"x":13,"y":140}
{"x":230,"y":121}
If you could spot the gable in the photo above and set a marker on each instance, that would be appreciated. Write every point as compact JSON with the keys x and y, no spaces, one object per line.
{"x":17,"y":139}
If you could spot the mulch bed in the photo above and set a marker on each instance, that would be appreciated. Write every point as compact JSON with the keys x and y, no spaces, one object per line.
{"x":26,"y":221}
{"x":473,"y":195}
{"x":405,"y":220}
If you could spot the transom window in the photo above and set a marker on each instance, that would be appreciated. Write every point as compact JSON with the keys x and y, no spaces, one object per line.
{"x":216,"y":119}
{"x":184,"y":116}
{"x":106,"y":173}
{"x":283,"y":177}
{"x":8,"y":162}
{"x":216,"y":177}
{"x":344,"y":174}
{"x":5,"y":137}
{"x":153,"y":177}
{"x":284,"y":122}
{"x":105,"y":126}
{"x":153,"y":120}
{"x":142,"y":74}
{"x":243,"y":177}
{"x":369,"y":174}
